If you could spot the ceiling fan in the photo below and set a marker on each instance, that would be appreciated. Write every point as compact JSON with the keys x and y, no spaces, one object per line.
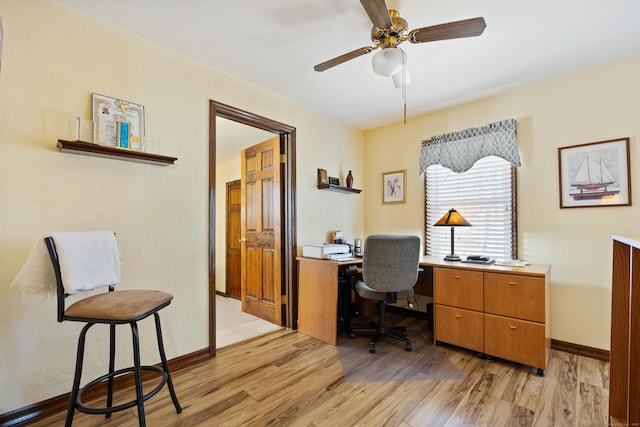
{"x":389,"y":30}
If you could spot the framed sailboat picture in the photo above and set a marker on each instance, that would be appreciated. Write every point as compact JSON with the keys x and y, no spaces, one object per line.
{"x":595,"y":174}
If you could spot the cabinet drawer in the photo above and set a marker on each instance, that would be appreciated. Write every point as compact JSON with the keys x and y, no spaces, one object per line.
{"x":514,"y":296}
{"x":458,"y":288}
{"x":460,"y":327}
{"x":517,"y":340}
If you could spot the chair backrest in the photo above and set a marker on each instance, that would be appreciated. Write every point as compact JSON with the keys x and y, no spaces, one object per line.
{"x":390,"y":262}
{"x":61,"y":293}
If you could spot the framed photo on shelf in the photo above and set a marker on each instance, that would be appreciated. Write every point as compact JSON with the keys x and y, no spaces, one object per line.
{"x":109,"y":115}
{"x":595,"y":174}
{"x":322,"y":177}
{"x":334,"y":180}
{"x":394,"y":187}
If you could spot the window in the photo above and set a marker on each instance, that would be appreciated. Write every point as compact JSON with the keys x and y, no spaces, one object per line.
{"x":485,"y":196}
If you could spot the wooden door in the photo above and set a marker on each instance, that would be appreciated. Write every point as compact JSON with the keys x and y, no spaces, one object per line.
{"x":260,"y":228}
{"x":233,"y":257}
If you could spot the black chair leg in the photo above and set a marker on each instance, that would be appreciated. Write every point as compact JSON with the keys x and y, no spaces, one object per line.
{"x":165,"y":365}
{"x":77,"y":376}
{"x":112,"y":356}
{"x":138,"y":373}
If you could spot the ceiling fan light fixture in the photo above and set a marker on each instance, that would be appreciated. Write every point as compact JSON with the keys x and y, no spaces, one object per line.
{"x":388,"y":61}
{"x":401,"y":78}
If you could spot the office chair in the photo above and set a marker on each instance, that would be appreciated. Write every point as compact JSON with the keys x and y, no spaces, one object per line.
{"x":389,"y":273}
{"x":88,"y":260}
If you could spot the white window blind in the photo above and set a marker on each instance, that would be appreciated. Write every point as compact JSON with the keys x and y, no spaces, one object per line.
{"x":485,"y":197}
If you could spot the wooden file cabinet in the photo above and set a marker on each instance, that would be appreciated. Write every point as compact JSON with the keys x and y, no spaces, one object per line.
{"x":497,"y":311}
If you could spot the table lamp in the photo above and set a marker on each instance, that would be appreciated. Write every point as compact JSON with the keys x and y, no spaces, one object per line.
{"x":453,"y":219}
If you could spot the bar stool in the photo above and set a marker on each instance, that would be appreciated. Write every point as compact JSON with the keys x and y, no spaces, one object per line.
{"x":111,"y":308}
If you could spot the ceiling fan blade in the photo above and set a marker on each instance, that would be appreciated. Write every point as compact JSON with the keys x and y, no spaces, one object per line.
{"x":451,"y":30}
{"x":343,"y":58}
{"x":378,"y":13}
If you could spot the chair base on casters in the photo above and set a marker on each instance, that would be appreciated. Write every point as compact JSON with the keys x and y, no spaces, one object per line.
{"x":380,"y":330}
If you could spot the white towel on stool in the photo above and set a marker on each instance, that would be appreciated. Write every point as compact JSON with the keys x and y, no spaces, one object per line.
{"x":87,"y":259}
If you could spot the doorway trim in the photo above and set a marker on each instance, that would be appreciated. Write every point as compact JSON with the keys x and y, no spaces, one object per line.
{"x":289,"y":244}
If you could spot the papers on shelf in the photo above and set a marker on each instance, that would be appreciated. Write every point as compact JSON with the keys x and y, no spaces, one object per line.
{"x":510,"y":262}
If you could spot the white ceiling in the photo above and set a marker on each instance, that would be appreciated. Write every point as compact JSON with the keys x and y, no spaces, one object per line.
{"x":275,"y":44}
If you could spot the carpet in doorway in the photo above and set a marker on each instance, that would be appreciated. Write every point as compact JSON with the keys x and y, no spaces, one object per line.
{"x":391,"y":362}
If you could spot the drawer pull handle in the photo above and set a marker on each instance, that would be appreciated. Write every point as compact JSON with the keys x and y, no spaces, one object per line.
{"x":457,"y":277}
{"x":513,"y":283}
{"x":512,"y":327}
{"x":459,"y":316}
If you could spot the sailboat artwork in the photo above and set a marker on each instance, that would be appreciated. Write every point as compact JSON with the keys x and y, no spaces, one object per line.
{"x":595,"y":174}
{"x":593,"y":180}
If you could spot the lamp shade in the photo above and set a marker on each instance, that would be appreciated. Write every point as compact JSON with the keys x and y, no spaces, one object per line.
{"x":452,"y":219}
{"x":401,"y":78}
{"x":388,"y":61}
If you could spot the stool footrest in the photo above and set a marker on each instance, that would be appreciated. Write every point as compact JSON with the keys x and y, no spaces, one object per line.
{"x":91,"y":410}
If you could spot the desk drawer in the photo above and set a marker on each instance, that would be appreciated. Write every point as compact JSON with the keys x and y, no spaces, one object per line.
{"x":458,"y":288}
{"x":516,"y":340}
{"x":514,"y":296}
{"x":460,"y":327}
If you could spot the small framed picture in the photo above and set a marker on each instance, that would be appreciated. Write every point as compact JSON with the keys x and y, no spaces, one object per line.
{"x":393,"y":187}
{"x":595,"y":174}
{"x":322,"y":177}
{"x":334,"y":180}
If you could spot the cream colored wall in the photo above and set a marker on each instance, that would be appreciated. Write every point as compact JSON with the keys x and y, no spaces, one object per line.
{"x":588,"y":106}
{"x":53,"y":59}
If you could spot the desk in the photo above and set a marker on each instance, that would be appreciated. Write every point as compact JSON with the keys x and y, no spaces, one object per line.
{"x":496,"y":310}
{"x":318,"y":297}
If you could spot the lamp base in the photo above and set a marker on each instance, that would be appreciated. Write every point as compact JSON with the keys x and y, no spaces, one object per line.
{"x":452,"y":258}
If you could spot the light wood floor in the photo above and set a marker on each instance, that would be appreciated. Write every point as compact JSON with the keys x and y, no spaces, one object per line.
{"x":287,"y":378}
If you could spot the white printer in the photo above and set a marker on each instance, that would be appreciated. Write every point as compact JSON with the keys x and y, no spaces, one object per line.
{"x":328,"y":251}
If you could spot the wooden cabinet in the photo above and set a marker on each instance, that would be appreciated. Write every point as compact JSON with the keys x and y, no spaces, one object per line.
{"x":464,"y":328}
{"x":458,"y":288}
{"x":498,"y":311}
{"x":624,"y":355}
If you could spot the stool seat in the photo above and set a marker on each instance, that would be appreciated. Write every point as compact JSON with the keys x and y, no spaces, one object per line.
{"x":121,"y":306}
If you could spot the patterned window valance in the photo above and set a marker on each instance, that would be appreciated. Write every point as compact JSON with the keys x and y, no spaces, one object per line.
{"x":459,"y":151}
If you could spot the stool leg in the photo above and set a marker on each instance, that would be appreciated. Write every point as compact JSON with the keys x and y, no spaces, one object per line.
{"x":165,"y":365}
{"x":112,"y":354}
{"x":78,"y":374}
{"x":138,"y":373}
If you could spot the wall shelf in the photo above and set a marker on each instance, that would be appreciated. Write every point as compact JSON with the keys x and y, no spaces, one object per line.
{"x":89,"y":149}
{"x":338,"y":188}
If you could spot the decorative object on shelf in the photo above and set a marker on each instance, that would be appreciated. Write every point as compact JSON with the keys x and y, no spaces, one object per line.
{"x":349,"y":180}
{"x":393,"y":187}
{"x":84,"y":130}
{"x":108,"y":116}
{"x":595,"y":174}
{"x":452,"y":219}
{"x":89,"y":149}
{"x":151,"y":144}
{"x":332,"y":183}
{"x":322,"y":177}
